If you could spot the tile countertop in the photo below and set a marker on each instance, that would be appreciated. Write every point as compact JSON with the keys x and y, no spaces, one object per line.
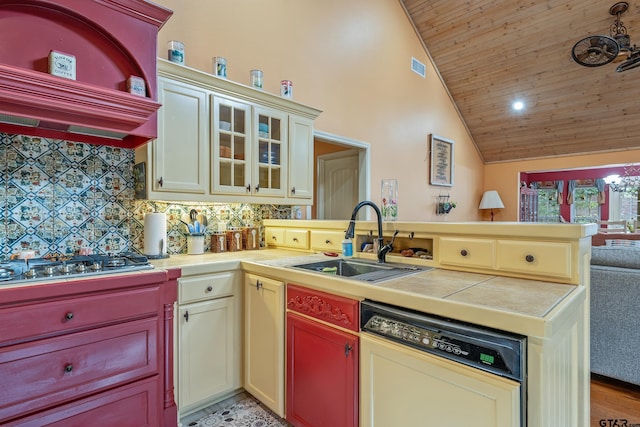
{"x":528,"y":307}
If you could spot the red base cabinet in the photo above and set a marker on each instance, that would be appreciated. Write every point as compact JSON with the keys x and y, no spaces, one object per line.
{"x":322,"y":361}
{"x":92,"y":352}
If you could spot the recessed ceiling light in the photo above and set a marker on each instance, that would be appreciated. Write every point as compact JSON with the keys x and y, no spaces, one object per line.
{"x":518,"y":105}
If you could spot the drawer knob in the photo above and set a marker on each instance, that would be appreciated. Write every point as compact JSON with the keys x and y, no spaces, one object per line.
{"x":295,"y":239}
{"x":464,"y":252}
{"x":68,"y":316}
{"x":209,"y":288}
{"x":529,"y":258}
{"x":68,"y":367}
{"x":328,"y":242}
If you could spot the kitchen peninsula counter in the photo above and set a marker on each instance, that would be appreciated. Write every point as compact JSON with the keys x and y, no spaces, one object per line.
{"x":527,"y":279}
{"x":522,"y":306}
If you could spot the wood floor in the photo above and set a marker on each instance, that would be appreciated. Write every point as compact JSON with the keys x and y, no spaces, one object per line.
{"x":613,"y":404}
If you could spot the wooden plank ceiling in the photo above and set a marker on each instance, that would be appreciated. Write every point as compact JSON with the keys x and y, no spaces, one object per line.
{"x":491,"y":53}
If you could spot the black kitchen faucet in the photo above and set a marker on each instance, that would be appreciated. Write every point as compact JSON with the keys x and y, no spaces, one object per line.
{"x":382,"y":248}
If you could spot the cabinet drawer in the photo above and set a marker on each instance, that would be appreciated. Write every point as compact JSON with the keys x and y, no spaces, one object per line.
{"x":334,"y":309}
{"x":131,"y":405}
{"x":467,"y":252}
{"x":274,"y":236}
{"x":205,"y":287}
{"x":540,"y":258}
{"x":297,"y":238}
{"x":50,"y":371}
{"x":51,"y":318}
{"x":327,"y":240}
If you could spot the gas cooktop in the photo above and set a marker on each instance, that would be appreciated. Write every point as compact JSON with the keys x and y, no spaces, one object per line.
{"x":59,"y":267}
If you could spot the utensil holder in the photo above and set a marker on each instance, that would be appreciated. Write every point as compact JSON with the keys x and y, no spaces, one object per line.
{"x":195,"y":244}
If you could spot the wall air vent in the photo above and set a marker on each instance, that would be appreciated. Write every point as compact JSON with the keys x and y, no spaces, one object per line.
{"x":418,"y":67}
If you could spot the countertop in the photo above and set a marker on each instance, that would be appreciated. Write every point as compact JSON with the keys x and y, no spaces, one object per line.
{"x":528,"y":307}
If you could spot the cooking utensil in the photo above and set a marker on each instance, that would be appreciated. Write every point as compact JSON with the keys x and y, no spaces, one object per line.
{"x":193,"y":215}
{"x":203,"y":222}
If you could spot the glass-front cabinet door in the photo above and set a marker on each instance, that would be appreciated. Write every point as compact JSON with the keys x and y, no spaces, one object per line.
{"x":270,"y":129}
{"x":231,"y":146}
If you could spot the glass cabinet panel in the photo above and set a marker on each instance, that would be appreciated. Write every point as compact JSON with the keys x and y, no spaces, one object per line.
{"x":230,"y":146}
{"x":271,"y":131}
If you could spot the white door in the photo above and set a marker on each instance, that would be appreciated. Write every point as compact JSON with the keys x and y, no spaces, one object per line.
{"x":338,"y":184}
{"x":400,"y":386}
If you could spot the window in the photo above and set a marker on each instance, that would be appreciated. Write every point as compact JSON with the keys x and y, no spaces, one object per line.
{"x":585,"y":207}
{"x":623,"y":205}
{"x":548,"y":207}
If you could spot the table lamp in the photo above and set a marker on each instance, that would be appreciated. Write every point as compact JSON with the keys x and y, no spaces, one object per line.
{"x":491,"y":200}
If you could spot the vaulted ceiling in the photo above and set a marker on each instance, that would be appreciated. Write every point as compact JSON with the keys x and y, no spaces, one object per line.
{"x":492,"y":53}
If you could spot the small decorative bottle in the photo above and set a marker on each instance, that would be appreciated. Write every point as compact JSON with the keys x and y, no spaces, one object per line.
{"x":389,"y":193}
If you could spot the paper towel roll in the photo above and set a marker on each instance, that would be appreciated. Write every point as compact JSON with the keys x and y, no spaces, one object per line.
{"x":155,"y":234}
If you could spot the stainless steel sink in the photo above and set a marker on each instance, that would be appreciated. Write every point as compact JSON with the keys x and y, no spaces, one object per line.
{"x":363,"y":270}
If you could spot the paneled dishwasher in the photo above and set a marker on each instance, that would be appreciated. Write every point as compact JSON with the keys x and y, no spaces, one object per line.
{"x":419,"y":369}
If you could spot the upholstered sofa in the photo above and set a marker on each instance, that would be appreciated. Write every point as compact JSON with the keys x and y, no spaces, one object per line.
{"x":615,"y":312}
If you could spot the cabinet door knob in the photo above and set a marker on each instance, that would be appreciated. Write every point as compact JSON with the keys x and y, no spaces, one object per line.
{"x":186,"y":316}
{"x":209,"y":288}
{"x":347,"y":349}
{"x":68,"y":367}
{"x":248,"y":187}
{"x":258,"y":284}
{"x":68,"y":316}
{"x":529,"y":258}
{"x":293,"y":190}
{"x":160,"y":182}
{"x":464,"y":252}
{"x":257,"y":188}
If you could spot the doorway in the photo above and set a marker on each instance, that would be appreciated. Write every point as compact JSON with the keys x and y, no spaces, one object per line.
{"x":342,"y":175}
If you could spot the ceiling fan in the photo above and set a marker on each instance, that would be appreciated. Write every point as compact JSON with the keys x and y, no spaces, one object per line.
{"x":594,"y":51}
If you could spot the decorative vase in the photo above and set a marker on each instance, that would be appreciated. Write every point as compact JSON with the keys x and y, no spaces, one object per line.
{"x":389,"y":193}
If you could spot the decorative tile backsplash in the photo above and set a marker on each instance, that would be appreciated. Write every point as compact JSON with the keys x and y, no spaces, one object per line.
{"x":59,"y":196}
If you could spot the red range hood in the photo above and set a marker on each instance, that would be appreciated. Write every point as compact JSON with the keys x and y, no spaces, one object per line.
{"x":111,"y":40}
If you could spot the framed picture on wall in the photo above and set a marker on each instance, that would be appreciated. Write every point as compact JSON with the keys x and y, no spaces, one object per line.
{"x":441,"y":161}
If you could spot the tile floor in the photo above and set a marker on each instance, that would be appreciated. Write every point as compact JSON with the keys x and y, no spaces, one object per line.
{"x":191,"y":420}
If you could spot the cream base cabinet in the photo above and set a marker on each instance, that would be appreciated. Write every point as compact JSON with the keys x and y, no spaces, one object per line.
{"x":264,"y":341}
{"x":209,"y":340}
{"x":177,"y":159}
{"x":400,"y":386}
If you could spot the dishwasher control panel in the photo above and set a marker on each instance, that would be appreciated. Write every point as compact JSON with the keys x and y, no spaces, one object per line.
{"x":500,"y":353}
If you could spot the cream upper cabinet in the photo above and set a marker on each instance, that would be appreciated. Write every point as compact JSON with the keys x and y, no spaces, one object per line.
{"x":231,"y":146}
{"x":176,"y":160}
{"x":269,"y":172}
{"x":300,"y":158}
{"x":221,"y":141}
